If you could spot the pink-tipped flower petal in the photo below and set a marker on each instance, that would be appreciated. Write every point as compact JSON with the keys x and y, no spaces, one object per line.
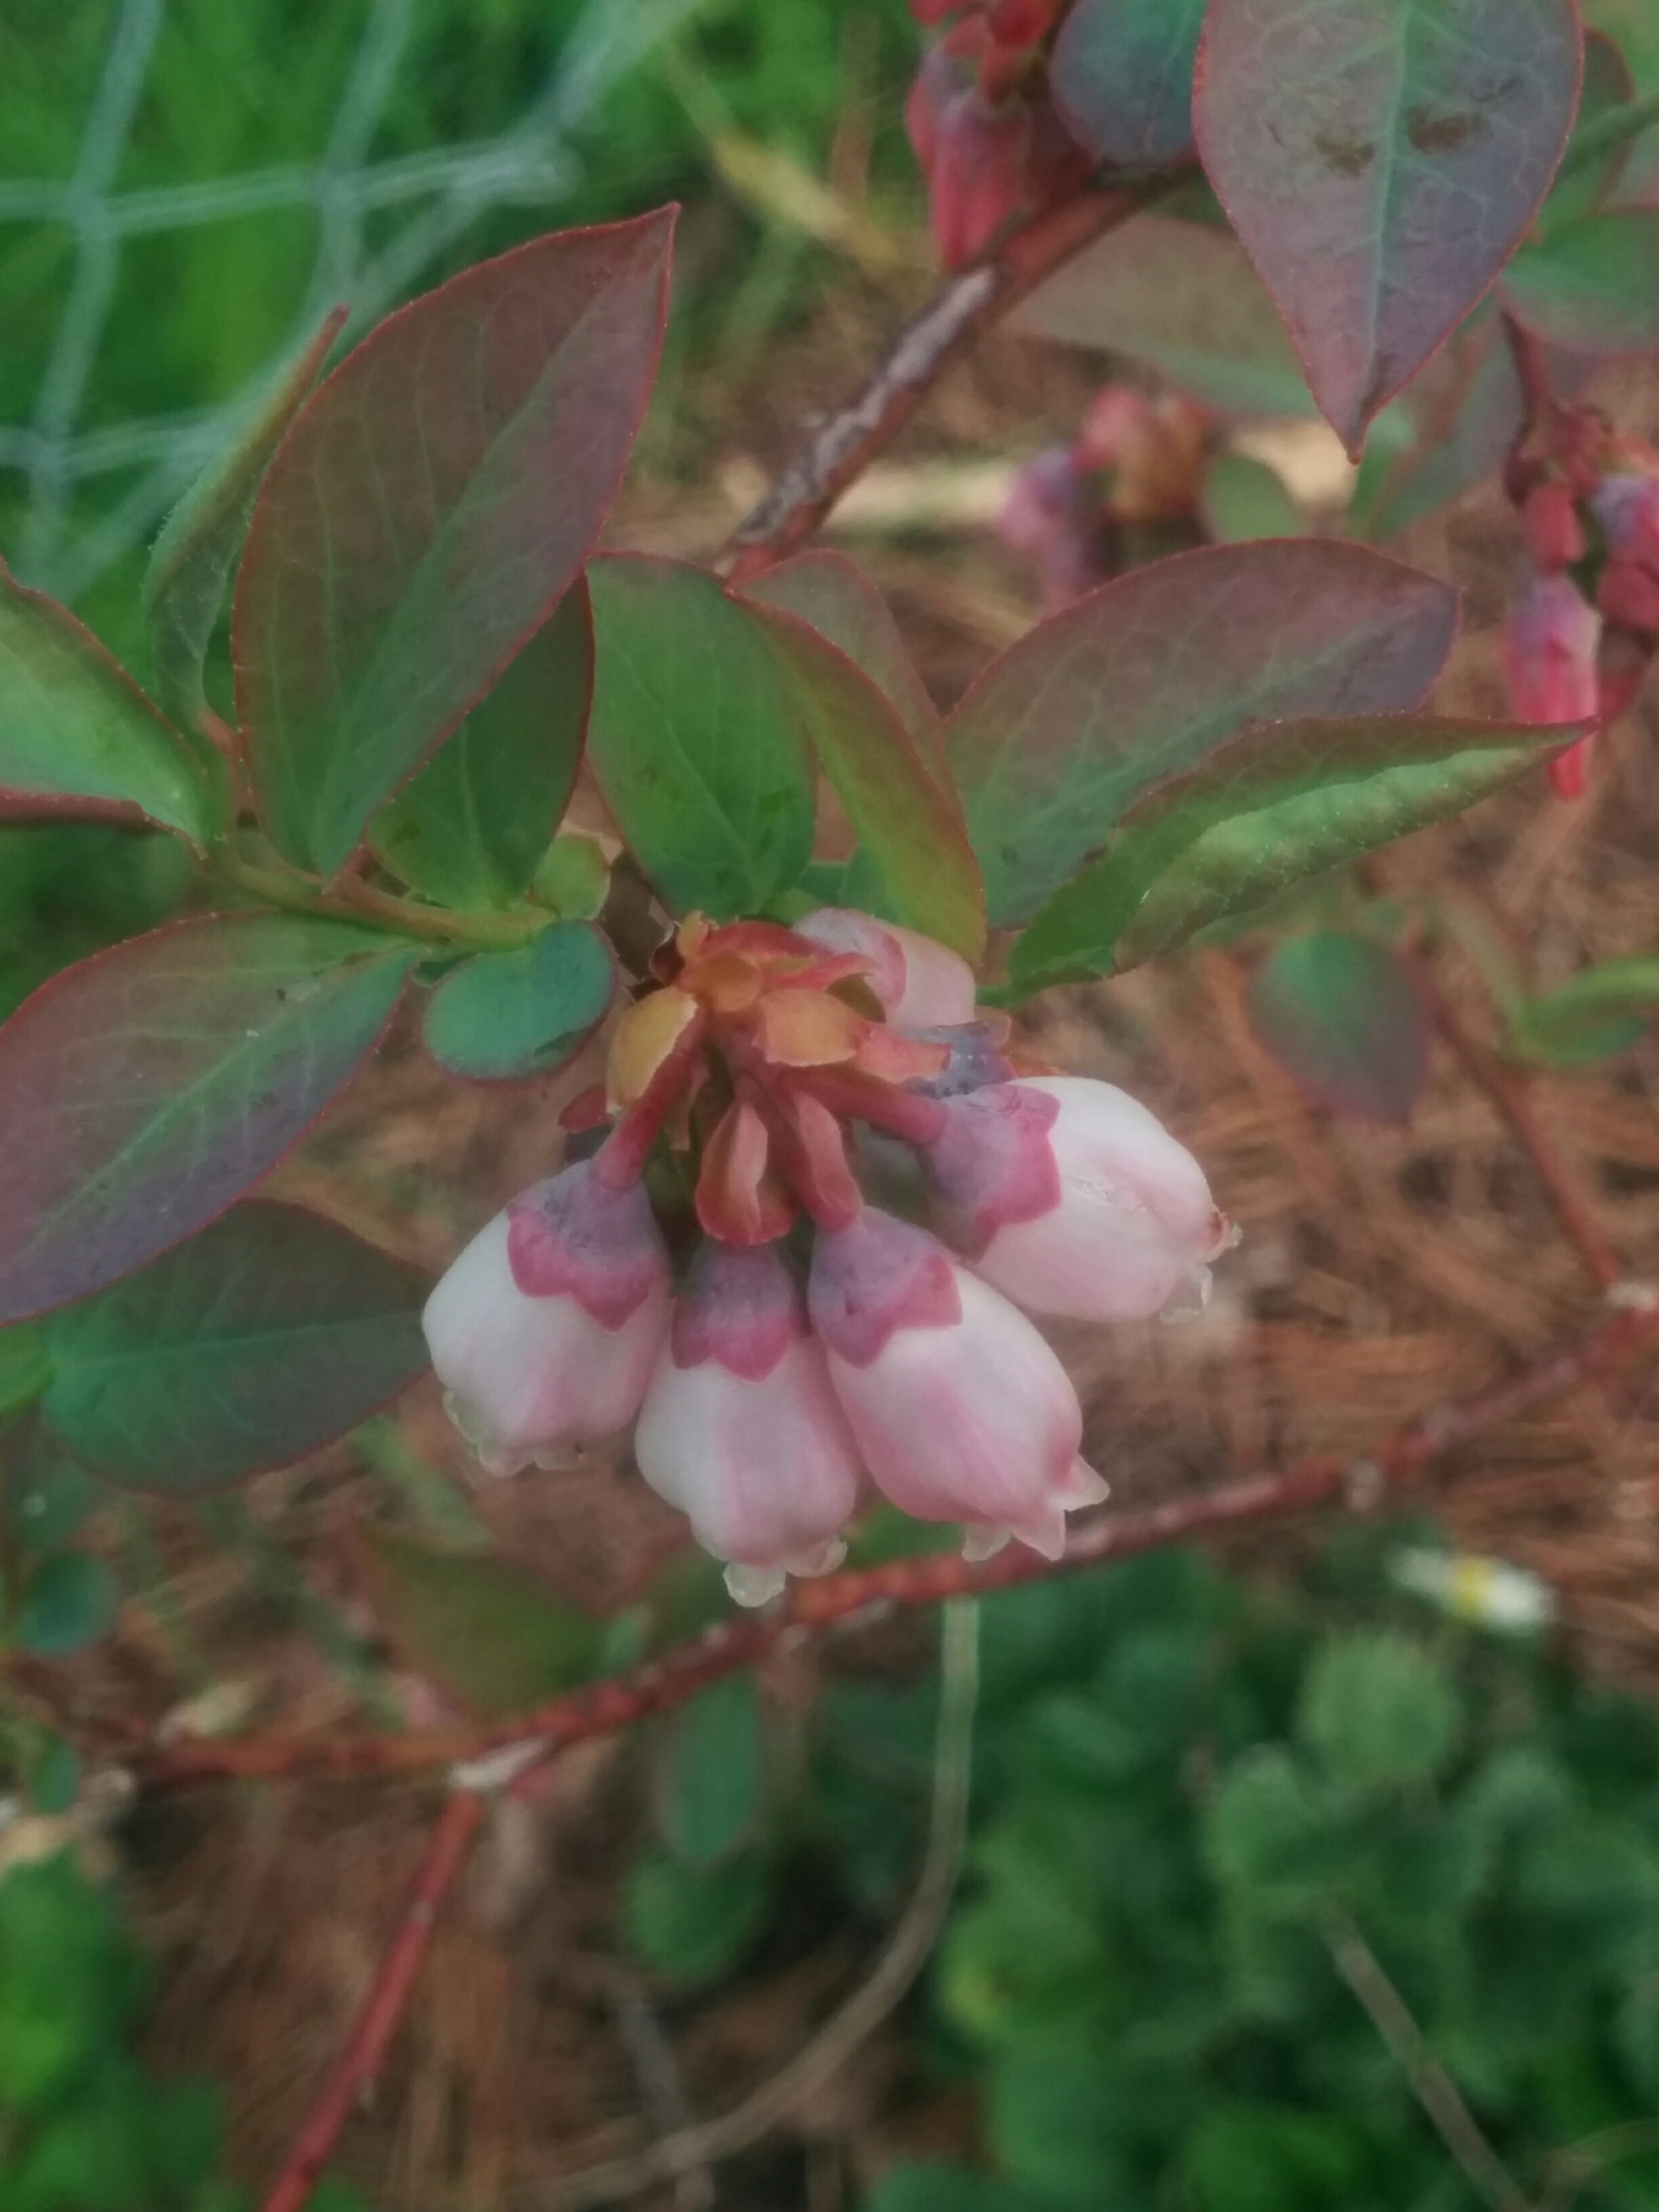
{"x":544,"y":1331}
{"x":920,"y":983}
{"x":1072,"y":1199}
{"x":961,"y":1410}
{"x":740,"y":1429}
{"x":1551,"y":640}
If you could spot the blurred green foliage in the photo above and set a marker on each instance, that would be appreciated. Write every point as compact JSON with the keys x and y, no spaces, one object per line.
{"x":1195,"y":1798}
{"x":84,"y":2125}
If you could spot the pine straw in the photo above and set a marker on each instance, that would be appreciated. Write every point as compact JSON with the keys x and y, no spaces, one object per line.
{"x":1381,"y":1270}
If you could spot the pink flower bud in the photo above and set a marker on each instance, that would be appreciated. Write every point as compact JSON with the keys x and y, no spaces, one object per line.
{"x":740,"y":1428}
{"x":920,"y":983}
{"x":544,"y":1331}
{"x":1550,"y":524}
{"x":979,"y":173}
{"x":1072,"y":1199}
{"x":1018,"y":24}
{"x":1628,"y":594}
{"x":1549,"y":644}
{"x":961,"y":1410}
{"x":1569,"y":769}
{"x":1047,"y":499}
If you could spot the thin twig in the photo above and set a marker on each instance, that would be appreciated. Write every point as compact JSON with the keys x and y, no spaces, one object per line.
{"x":354,"y":2072}
{"x":953,"y":321}
{"x":1628,"y":1331}
{"x":1433,"y":2087}
{"x":694,"y":2148}
{"x":1508,"y":1094}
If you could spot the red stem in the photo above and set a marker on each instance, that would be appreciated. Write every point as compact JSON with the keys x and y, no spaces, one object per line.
{"x":355,"y":2070}
{"x":742,"y":1641}
{"x":971,"y":304}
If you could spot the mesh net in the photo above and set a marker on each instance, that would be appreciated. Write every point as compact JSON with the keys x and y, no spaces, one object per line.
{"x":85,"y":492}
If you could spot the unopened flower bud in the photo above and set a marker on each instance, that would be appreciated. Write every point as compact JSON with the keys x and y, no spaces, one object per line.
{"x":960,"y":1409}
{"x":740,"y":1429}
{"x":1549,"y":644}
{"x":1551,"y":526}
{"x":1627,"y":505}
{"x":1628,"y":594}
{"x":1071,"y":1198}
{"x":544,"y":1331}
{"x":920,"y":983}
{"x":978,"y":175}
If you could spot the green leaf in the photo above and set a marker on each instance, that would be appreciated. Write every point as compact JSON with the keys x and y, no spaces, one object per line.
{"x":826,"y":591}
{"x":712,"y":1773}
{"x":54,"y":1776}
{"x":1053,"y":2130}
{"x":1145,"y":679}
{"x":77,"y":737}
{"x":192,"y":560}
{"x":1377,"y":1709}
{"x":1343,"y":1018}
{"x":426,"y":511}
{"x":1455,"y":424}
{"x":1121,"y":71}
{"x":1269,"y":1832}
{"x":1602,"y":1012}
{"x":1601,"y":133}
{"x":1243,"y":498}
{"x":1255,"y":2158}
{"x":1592,"y":286}
{"x":1280,"y":804}
{"x":249,"y":1347}
{"x":1381,"y":160}
{"x":504,"y":1017}
{"x":152,"y":1085}
{"x":694,"y":1924}
{"x":574,"y":879}
{"x":70,"y":1600}
{"x":931,"y":2185}
{"x":488,"y":1630}
{"x":912,"y":841}
{"x":695,"y":740}
{"x":25,"y":1371}
{"x":1183,"y":300}
{"x":472,"y":828}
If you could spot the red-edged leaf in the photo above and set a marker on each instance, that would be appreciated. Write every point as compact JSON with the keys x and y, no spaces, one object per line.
{"x":1142,"y":679}
{"x":507,"y":1017}
{"x":249,"y":1347}
{"x":1344,"y":1019}
{"x":192,"y":560}
{"x":1592,"y":286}
{"x":148,"y":1088}
{"x":913,"y":846}
{"x":842,"y":604}
{"x":1460,"y":419}
{"x":1260,"y":816}
{"x":1122,"y":78}
{"x":1381,"y":160}
{"x":474,"y":826}
{"x":425,"y":511}
{"x":77,"y":737}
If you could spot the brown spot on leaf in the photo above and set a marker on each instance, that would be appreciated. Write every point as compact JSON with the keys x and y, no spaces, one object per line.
{"x":1443,"y":134}
{"x":1346,"y":157}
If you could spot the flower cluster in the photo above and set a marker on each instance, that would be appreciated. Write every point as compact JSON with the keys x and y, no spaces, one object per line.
{"x":989,"y":142}
{"x":1127,"y":487}
{"x":719,"y":1266}
{"x":1583,"y":619}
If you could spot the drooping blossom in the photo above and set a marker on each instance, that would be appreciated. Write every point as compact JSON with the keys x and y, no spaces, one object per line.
{"x":544,"y":1331}
{"x":1551,"y":645}
{"x":960,"y":1409}
{"x":1072,"y":1199}
{"x":740,"y":1428}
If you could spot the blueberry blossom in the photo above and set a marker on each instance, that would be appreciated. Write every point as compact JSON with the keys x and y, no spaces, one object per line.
{"x":740,"y":1428}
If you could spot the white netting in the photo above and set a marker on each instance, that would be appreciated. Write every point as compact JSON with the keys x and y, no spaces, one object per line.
{"x":532,"y":163}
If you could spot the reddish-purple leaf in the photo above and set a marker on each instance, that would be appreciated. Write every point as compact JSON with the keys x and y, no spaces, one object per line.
{"x":77,"y":737}
{"x":1381,"y":160}
{"x":149,"y":1087}
{"x":249,"y":1347}
{"x":1345,"y":1020}
{"x":1142,"y":679}
{"x":842,"y":604}
{"x":425,"y":511}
